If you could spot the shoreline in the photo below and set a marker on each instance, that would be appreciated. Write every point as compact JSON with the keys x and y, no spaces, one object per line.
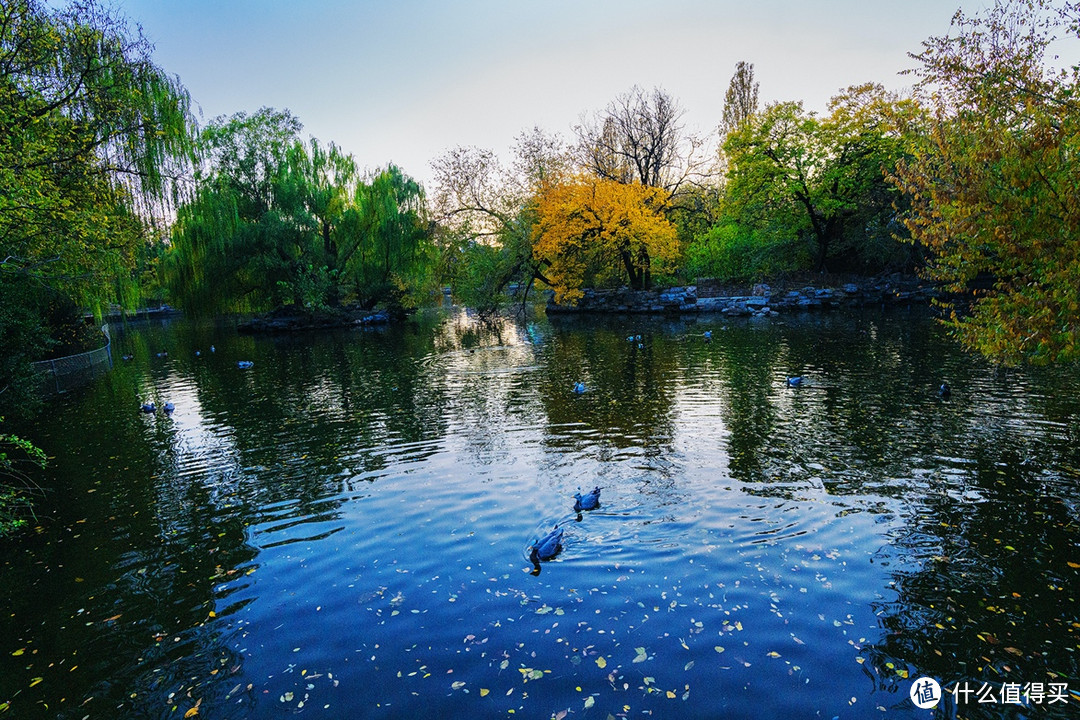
{"x":762,"y":300}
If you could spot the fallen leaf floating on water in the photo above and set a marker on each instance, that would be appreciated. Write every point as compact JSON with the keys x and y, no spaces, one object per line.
{"x":642,"y":656}
{"x":601,"y":662}
{"x":484,"y":692}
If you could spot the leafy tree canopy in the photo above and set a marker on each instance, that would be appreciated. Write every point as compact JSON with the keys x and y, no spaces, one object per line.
{"x":594,"y":231}
{"x":93,"y":137}
{"x":793,"y":175}
{"x":994,"y":180}
{"x":276,"y":220}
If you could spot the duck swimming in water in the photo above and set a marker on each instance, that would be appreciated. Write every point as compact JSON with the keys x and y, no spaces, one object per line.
{"x":944,"y":391}
{"x":169,"y":407}
{"x":148,"y":407}
{"x":548,"y":546}
{"x":794,"y":381}
{"x":579,"y":387}
{"x":588,"y":501}
{"x":244,"y":364}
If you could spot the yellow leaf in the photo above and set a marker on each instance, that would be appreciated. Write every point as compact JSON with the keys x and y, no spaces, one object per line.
{"x":36,"y":680}
{"x":192,"y":712}
{"x":19,"y":652}
{"x":671,"y":694}
{"x":773,"y":654}
{"x":484,"y":692}
{"x":601,"y":662}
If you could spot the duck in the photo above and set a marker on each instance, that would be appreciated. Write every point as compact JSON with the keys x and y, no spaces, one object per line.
{"x":148,"y":407}
{"x":213,"y":349}
{"x":198,"y":353}
{"x":548,"y":546}
{"x":127,"y":358}
{"x":708,"y":334}
{"x":638,"y":338}
{"x":794,"y":381}
{"x":579,"y":387}
{"x":163,"y":354}
{"x":244,"y":364}
{"x":944,"y":391}
{"x":169,"y":407}
{"x":629,"y":338}
{"x":588,"y":501}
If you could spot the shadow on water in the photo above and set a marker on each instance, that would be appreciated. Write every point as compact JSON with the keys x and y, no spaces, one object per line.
{"x":344,"y":527}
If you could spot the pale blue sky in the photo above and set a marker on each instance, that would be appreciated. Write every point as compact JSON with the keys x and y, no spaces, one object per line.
{"x":404,"y":81}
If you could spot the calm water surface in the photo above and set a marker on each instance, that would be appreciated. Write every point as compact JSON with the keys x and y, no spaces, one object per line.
{"x":342,"y":530}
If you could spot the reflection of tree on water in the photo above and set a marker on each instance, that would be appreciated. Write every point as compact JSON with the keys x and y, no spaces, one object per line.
{"x":985,"y":589}
{"x":630,"y":396}
{"x":148,"y":559}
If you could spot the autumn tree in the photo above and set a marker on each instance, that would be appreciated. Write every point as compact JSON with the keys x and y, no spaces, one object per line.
{"x":597,"y":231}
{"x":741,"y":99}
{"x":995,"y":181}
{"x":486,"y":213}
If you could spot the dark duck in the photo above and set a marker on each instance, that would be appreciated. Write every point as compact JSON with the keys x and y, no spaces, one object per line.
{"x":548,"y":546}
{"x":588,"y":501}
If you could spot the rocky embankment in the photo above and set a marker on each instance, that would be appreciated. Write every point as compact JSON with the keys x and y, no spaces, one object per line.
{"x":286,"y":322}
{"x":762,"y":301}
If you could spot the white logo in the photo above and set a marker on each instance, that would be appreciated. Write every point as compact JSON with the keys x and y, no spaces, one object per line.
{"x":925,"y":693}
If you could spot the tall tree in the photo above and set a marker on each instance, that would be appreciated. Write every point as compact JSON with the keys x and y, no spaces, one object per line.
{"x":639,"y":137}
{"x":93,"y":136}
{"x":233,"y":248}
{"x":994,"y":184}
{"x":826,"y":175}
{"x":741,"y":99}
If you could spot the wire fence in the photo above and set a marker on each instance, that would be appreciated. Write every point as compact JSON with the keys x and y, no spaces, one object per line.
{"x":69,"y":372}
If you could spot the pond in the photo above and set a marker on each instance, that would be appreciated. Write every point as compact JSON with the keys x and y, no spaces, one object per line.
{"x":342,"y":530}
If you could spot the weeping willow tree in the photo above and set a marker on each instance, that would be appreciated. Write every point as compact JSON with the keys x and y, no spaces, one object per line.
{"x":231,"y":245}
{"x":279,"y":221}
{"x":391,"y":255}
{"x":93,"y":138}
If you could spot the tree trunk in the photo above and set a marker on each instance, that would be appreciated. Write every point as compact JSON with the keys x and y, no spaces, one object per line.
{"x":633,"y":273}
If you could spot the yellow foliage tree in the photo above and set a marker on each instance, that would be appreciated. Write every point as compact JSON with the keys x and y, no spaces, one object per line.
{"x":595,"y":229}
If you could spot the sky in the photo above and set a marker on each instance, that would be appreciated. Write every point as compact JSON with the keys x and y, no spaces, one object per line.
{"x":405,"y":81}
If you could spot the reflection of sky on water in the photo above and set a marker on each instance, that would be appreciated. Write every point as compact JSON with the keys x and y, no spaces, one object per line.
{"x":347,"y":523}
